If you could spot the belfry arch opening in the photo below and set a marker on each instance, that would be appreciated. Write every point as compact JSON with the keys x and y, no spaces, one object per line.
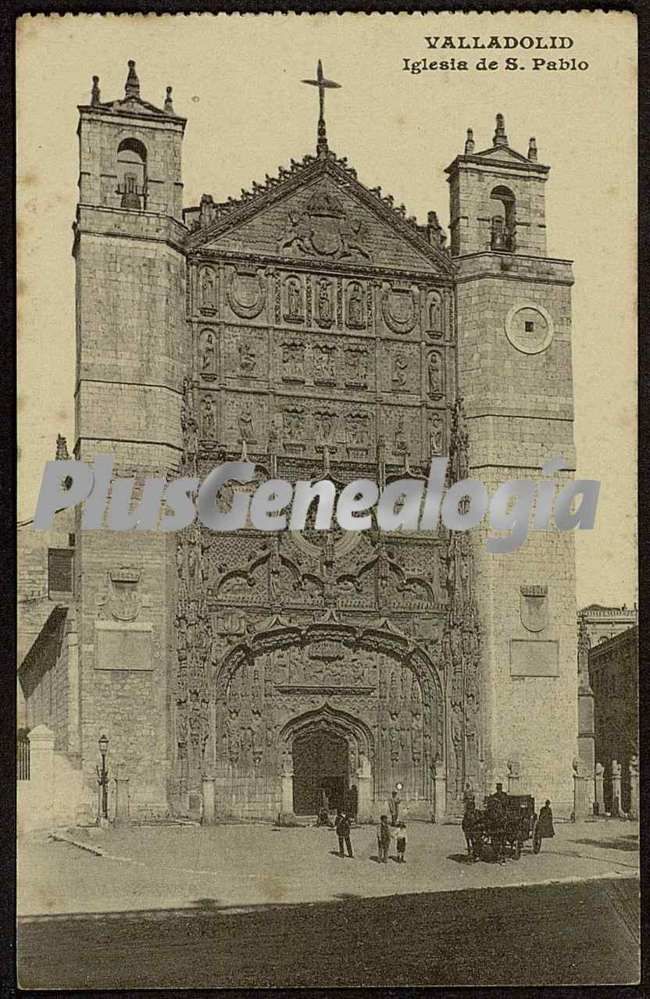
{"x":132,"y":174}
{"x":503,"y":215}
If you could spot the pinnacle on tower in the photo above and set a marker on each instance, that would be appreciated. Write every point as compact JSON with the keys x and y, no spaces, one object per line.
{"x":500,"y":137}
{"x":61,"y":449}
{"x":532,"y":150}
{"x":469,"y":142}
{"x":169,"y":107}
{"x":94,"y":94}
{"x":132,"y":85}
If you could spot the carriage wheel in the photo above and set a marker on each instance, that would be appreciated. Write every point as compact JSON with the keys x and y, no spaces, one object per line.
{"x":537,"y":844}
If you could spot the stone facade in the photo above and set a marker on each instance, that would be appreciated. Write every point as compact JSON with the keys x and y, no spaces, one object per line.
{"x":313,"y":327}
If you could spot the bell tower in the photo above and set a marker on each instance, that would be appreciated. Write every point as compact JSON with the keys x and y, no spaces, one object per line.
{"x":515,"y":377}
{"x":131,"y":343}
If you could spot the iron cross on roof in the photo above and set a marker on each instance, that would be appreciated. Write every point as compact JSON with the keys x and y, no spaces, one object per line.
{"x":323,"y":85}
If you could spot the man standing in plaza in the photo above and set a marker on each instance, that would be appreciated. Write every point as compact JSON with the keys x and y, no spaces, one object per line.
{"x":393,"y":805}
{"x":343,"y":827}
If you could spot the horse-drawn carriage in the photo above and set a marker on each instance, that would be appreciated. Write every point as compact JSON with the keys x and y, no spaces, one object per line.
{"x":506,"y":821}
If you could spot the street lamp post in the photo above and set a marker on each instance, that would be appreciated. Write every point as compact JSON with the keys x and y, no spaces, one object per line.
{"x":102,"y":778}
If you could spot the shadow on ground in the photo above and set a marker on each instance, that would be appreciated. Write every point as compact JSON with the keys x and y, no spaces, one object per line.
{"x":627,"y":843}
{"x":582,"y":932}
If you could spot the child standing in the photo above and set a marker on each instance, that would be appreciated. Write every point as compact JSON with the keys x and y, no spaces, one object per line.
{"x":401,"y":842}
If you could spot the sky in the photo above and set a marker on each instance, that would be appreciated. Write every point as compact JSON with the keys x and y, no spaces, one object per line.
{"x":237,"y":80}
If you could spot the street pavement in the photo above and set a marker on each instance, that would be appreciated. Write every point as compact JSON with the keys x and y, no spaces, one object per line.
{"x":244,"y":905}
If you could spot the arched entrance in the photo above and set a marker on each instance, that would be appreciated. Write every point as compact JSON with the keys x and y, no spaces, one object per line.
{"x":320,"y":767}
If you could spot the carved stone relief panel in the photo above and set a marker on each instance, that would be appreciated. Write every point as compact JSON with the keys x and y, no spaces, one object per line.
{"x":245,"y":354}
{"x":246,"y":291}
{"x":355,"y":367}
{"x":324,"y":289}
{"x":401,"y":430}
{"x":324,"y":363}
{"x":435,"y":374}
{"x":293,"y":294}
{"x":435,"y":443}
{"x":400,"y":368}
{"x":400,"y":308}
{"x":246,"y":418}
{"x":355,"y":305}
{"x":206,"y":290}
{"x":324,"y":229}
{"x":208,"y":417}
{"x":208,"y":355}
{"x":292,"y":360}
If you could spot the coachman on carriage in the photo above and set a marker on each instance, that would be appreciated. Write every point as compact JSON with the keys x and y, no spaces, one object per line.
{"x":506,"y":821}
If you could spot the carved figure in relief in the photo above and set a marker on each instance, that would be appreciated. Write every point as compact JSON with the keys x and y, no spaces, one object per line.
{"x":294,"y":311}
{"x":435,"y":314}
{"x":247,"y":358}
{"x":435,"y":434}
{"x":401,"y":442}
{"x":246,"y":425}
{"x":400,"y":367}
{"x":293,"y":422}
{"x":208,"y":419}
{"x":435,"y":374}
{"x":293,"y":360}
{"x":208,"y":355}
{"x":325,"y":425}
{"x":207,"y":289}
{"x":325,"y":314}
{"x":324,"y":364}
{"x":358,"y":430}
{"x":355,"y":305}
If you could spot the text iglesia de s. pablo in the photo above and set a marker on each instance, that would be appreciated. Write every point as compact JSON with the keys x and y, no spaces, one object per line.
{"x":312,"y":326}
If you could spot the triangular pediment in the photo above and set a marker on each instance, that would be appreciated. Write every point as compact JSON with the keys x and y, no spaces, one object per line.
{"x":503,"y":154}
{"x":320,"y":212}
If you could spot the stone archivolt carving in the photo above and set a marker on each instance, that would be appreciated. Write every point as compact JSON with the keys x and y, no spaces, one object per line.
{"x":207,"y":294}
{"x":323,"y":229}
{"x":399,"y":308}
{"x":246,"y":292}
{"x":372,"y":685}
{"x":208,"y":355}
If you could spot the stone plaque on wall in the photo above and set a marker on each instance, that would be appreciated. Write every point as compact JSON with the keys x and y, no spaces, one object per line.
{"x":123,"y":646}
{"x":530,"y":658}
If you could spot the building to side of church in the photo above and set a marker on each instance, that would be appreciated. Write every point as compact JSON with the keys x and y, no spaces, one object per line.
{"x":313,"y":327}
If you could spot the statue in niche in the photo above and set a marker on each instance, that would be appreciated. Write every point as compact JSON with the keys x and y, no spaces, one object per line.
{"x":208,"y":419}
{"x":324,"y":302}
{"x":326,"y":426}
{"x":355,"y":305}
{"x":435,"y":374}
{"x":357,"y":672}
{"x":400,"y":367}
{"x":294,"y":301}
{"x":435,"y":434}
{"x":208,"y":355}
{"x":435,"y":314}
{"x":207,"y":289}
{"x":246,"y":426}
{"x":358,"y":430}
{"x":401,"y":443}
{"x":247,"y":358}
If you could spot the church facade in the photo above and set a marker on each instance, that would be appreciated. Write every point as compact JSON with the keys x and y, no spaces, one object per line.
{"x":312,"y":326}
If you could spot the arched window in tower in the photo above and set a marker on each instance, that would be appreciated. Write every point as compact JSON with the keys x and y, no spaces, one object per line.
{"x":503,"y":215}
{"x":132,"y":174}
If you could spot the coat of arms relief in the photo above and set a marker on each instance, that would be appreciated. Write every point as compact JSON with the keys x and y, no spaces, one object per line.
{"x":323,"y":229}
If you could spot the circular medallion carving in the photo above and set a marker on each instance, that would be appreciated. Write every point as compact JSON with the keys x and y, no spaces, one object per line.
{"x":529,"y":327}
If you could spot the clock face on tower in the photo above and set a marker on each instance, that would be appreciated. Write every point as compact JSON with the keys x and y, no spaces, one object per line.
{"x":529,"y":327}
